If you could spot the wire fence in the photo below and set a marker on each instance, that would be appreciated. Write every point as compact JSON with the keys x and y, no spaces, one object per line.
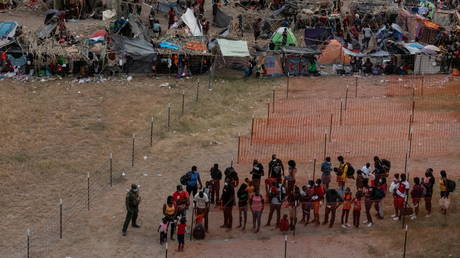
{"x":83,"y":193}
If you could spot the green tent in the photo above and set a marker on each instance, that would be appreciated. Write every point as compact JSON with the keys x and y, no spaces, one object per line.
{"x":283,"y":37}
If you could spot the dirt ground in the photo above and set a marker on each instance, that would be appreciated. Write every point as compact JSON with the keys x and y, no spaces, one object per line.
{"x":56,"y":132}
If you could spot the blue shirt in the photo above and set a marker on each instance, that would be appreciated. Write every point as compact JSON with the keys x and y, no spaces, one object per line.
{"x":193,"y":181}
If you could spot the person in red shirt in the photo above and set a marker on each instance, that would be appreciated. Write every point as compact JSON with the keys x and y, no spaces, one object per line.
{"x":181,"y":230}
{"x":317,"y":198}
{"x":284,"y":224}
{"x":347,"y":198}
{"x":181,"y":199}
{"x":417,"y":193}
{"x":356,"y":209}
{"x":171,"y":17}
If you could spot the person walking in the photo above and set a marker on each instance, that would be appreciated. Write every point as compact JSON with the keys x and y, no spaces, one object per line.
{"x":317,"y":198}
{"x":228,"y":201}
{"x":428,"y":183}
{"x":446,"y":186}
{"x":257,"y":207}
{"x":289,"y":180}
{"x":392,"y":190}
{"x":243,"y":198}
{"x":163,"y":230}
{"x":333,"y":201}
{"x":326,"y":168}
{"x":216,"y":176}
{"x":401,"y":196}
{"x":181,"y":199}
{"x":181,"y":230}
{"x":132,"y":208}
{"x":257,"y":173}
{"x":193,"y":180}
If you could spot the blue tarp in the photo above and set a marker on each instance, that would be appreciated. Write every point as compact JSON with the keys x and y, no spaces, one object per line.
{"x":21,"y":61}
{"x":169,"y":45}
{"x":6,"y":28}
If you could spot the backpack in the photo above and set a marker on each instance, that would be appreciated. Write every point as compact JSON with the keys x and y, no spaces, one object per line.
{"x":378,"y":194}
{"x":199,"y":232}
{"x":350,"y":171}
{"x":386,"y":164}
{"x":276,"y":170}
{"x":450,"y":185}
{"x":184,"y":179}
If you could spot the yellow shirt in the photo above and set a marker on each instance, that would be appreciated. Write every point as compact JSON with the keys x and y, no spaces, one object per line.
{"x":442,"y":186}
{"x":250,"y":190}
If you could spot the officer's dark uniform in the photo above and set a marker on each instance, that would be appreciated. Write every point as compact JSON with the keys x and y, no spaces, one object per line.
{"x":132,"y":208}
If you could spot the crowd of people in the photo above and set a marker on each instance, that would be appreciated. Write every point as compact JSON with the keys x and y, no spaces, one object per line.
{"x":284,"y":192}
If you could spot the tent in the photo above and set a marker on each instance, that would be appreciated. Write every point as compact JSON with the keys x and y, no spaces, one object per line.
{"x":283,"y":37}
{"x":272,"y":65}
{"x":333,"y":54}
{"x":221,"y":20}
{"x":140,"y":52}
{"x":190,"y":20}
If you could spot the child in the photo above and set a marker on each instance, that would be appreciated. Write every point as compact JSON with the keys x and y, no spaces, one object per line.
{"x":306,"y":201}
{"x":284,"y":224}
{"x":181,"y":230}
{"x":417,"y":194}
{"x":356,"y":209}
{"x":347,"y":198}
{"x":359,"y":180}
{"x":163,"y":229}
{"x":317,"y":199}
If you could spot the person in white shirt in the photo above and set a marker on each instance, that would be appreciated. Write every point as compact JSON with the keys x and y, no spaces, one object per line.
{"x":367,"y":31}
{"x":366,"y":170}
{"x":201,"y":201}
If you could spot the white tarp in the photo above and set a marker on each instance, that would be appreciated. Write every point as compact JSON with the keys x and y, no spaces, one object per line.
{"x":190,"y":20}
{"x":236,"y":48}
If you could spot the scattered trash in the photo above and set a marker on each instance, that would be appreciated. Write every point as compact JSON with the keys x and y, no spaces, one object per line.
{"x":123,"y":174}
{"x":163,"y":85}
{"x":145,"y":174}
{"x":158,"y":174}
{"x":145,"y":157}
{"x":130,"y":78}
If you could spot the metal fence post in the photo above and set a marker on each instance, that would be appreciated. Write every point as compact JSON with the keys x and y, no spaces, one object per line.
{"x":60,"y":218}
{"x":28,"y":243}
{"x":88,"y":189}
{"x":111,"y":171}
{"x":132,"y":153}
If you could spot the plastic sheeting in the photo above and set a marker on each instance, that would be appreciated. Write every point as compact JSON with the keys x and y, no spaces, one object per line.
{"x":190,"y":20}
{"x":221,"y":20}
{"x":316,"y":36}
{"x":235,"y":48}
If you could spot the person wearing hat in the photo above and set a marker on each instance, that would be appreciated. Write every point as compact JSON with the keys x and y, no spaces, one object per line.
{"x":132,"y":208}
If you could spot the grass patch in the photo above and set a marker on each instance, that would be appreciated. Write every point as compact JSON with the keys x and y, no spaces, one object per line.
{"x":96,"y":126}
{"x":21,"y":157}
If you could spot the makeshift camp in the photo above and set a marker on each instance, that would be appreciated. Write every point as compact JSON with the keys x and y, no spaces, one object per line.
{"x":233,"y":48}
{"x":139,"y":53}
{"x":283,"y":36}
{"x":428,"y":32}
{"x":333,"y":54}
{"x":272,"y":65}
{"x":426,"y":64}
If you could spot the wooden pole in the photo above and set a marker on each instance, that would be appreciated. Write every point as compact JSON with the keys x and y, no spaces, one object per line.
{"x":169,"y":116}
{"x":166,"y":253}
{"x":410,"y":126}
{"x":273,"y":101}
{"x":239,"y":144}
{"x":314,"y":169}
{"x":356,"y":87}
{"x":405,"y":242}
{"x":287,"y":87}
{"x":268,"y":113}
{"x":183,"y":103}
{"x":410,"y":144}
{"x":60,"y":218}
{"x":325,"y":142}
{"x":132,"y":152}
{"x":330,"y":129}
{"x":88,"y":189}
{"x":197,"y":91}
{"x":413,"y":109}
{"x":346,"y":98}
{"x":28,"y":243}
{"x":405,"y":164}
{"x":341,"y":108}
{"x":252,"y":127}
{"x":151,"y":132}
{"x":111,"y":172}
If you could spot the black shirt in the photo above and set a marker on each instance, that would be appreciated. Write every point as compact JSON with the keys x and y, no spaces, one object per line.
{"x":216,"y":174}
{"x":228,"y":196}
{"x":333,"y":196}
{"x":257,"y":171}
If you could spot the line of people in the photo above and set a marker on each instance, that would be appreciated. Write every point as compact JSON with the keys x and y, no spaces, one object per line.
{"x":282,"y":192}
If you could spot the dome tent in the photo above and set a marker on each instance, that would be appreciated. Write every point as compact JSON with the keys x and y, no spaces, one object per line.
{"x":283,"y":36}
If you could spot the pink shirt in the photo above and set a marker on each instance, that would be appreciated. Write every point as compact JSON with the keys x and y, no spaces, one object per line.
{"x":257,"y":203}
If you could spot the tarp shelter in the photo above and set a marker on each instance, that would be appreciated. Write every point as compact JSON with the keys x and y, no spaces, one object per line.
{"x":164,"y":7}
{"x":446,"y":18}
{"x":283,"y":37}
{"x":317,"y":35}
{"x":301,"y":51}
{"x":426,"y":64}
{"x":333,"y":54}
{"x":234,"y":48}
{"x":7,"y":32}
{"x":140,"y":52}
{"x":272,"y":65}
{"x":190,"y":20}
{"x":221,"y":19}
{"x":427,"y":32}
{"x":379,"y":53}
{"x":408,"y":22}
